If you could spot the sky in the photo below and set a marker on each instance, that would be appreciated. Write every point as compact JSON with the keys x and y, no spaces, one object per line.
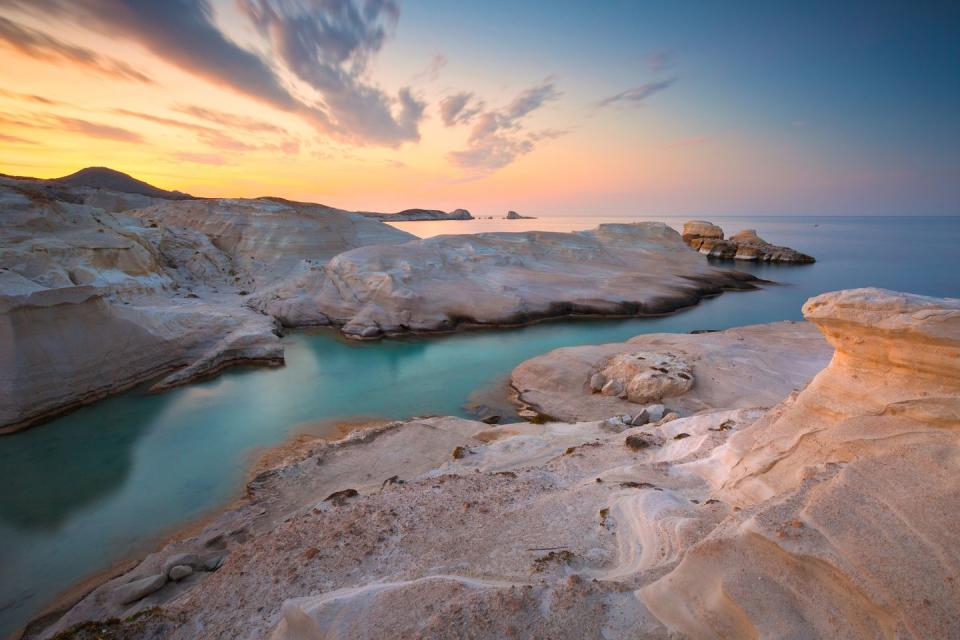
{"x":548,"y":108}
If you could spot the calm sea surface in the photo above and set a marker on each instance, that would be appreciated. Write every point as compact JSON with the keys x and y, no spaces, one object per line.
{"x":107,"y":482}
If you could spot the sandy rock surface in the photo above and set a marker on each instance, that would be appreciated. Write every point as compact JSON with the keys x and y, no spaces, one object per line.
{"x":830,"y":515}
{"x":743,"y":367}
{"x":444,"y":282}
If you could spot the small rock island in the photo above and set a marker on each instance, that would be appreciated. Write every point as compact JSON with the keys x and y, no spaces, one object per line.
{"x":707,"y":238}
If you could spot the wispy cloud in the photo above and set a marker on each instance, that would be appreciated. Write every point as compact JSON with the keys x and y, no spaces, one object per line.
{"x":637,"y":95}
{"x":499,"y":137}
{"x":231,"y":120}
{"x":15,"y":139}
{"x":30,"y":97}
{"x":431,"y":73}
{"x":217,"y":139}
{"x":460,"y":108}
{"x":42,"y":46}
{"x":659,"y":61}
{"x":328,"y":45}
{"x":325,"y":44}
{"x":48,"y":121}
{"x":97,"y":130}
{"x":214,"y":159}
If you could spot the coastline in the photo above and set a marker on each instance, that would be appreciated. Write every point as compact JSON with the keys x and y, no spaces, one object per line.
{"x":155,"y":376}
{"x":295,"y":448}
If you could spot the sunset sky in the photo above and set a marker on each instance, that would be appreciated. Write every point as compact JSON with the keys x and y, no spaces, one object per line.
{"x":616,"y":107}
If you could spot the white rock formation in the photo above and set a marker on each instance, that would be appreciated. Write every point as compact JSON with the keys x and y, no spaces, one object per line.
{"x":831,"y":515}
{"x":444,"y":282}
{"x":737,"y":368}
{"x":94,"y":301}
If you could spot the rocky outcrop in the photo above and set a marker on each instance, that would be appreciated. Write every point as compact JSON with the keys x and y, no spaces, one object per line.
{"x":112,"y":180}
{"x":737,"y":368}
{"x":701,"y":230}
{"x":833,"y":514}
{"x":93,"y":301}
{"x":707,"y":238}
{"x":513,"y":215}
{"x":844,"y":495}
{"x":487,"y":279}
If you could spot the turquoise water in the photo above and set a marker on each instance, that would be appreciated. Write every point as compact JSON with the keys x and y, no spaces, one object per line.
{"x":106,"y":482}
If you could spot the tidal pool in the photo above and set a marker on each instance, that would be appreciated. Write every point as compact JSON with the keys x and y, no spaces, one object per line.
{"x":108,"y":481}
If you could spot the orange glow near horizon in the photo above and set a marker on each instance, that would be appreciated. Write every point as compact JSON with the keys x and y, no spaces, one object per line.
{"x":684,"y":150}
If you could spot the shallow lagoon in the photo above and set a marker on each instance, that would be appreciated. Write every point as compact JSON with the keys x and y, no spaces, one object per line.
{"x":108,"y":481}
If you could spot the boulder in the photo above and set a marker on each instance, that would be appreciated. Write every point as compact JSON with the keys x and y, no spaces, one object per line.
{"x":655,"y":412}
{"x":647,"y":376}
{"x":701,"y":229}
{"x":139,"y":589}
{"x":191,"y":560}
{"x":180,"y":572}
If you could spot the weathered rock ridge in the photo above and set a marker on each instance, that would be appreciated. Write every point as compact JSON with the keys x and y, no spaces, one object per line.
{"x":444,"y":282}
{"x":707,"y":238}
{"x":96,"y":296}
{"x":833,"y":514}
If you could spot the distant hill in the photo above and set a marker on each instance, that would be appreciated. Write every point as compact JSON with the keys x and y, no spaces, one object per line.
{"x":104,"y":178}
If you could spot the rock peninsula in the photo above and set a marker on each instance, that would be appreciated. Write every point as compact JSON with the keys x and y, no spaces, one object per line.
{"x":491,"y":279}
{"x":127,"y":283}
{"x":828,"y":512}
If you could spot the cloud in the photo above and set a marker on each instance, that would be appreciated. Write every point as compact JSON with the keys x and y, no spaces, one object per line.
{"x":328,"y":44}
{"x":498,"y":137}
{"x":42,"y":46}
{"x":432,"y":71}
{"x":456,"y":109}
{"x":96,"y":129}
{"x":325,"y":43}
{"x":170,"y":122}
{"x":15,"y":140}
{"x":29,"y":97}
{"x":201,"y":158}
{"x":74,"y":125}
{"x":215,"y":138}
{"x":637,"y":95}
{"x":659,"y":61}
{"x":245,"y":123}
